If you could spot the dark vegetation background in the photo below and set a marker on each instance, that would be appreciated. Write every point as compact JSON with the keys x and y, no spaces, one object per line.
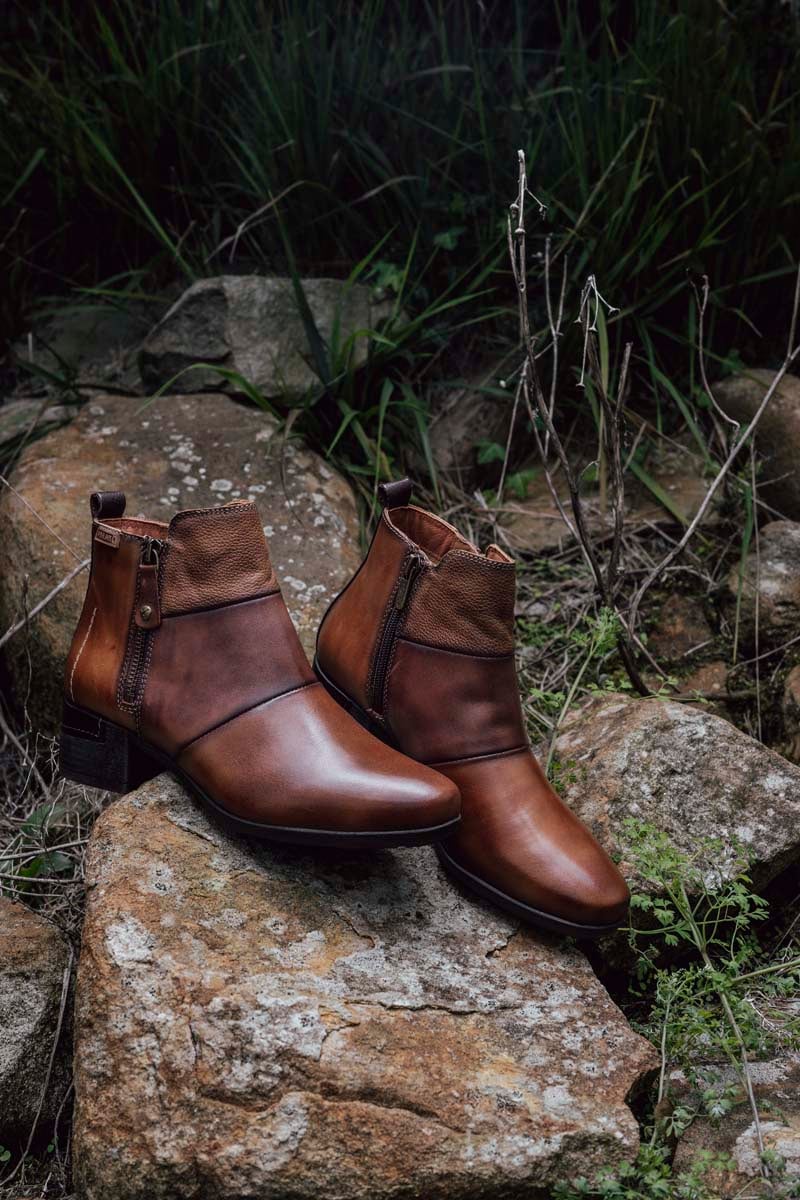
{"x":138,"y":137}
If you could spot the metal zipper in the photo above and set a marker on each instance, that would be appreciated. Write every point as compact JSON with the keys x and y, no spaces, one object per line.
{"x":383,"y":655}
{"x":136,"y":653}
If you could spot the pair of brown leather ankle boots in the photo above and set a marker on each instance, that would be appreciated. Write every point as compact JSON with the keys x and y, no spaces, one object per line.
{"x":408,"y":730}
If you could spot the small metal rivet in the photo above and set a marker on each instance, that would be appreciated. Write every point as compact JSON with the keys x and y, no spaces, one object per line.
{"x":145,"y":612}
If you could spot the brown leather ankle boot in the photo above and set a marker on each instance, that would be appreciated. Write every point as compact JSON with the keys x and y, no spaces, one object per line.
{"x":420,"y":646}
{"x":185,"y":659}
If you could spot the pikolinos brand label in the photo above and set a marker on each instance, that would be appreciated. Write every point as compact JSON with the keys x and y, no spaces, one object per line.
{"x":109,"y":537}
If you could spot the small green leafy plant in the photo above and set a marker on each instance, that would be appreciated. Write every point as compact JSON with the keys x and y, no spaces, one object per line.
{"x":726,"y":1001}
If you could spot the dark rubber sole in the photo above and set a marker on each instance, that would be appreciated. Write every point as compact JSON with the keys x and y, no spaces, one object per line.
{"x":532,"y":916}
{"x":98,"y":753}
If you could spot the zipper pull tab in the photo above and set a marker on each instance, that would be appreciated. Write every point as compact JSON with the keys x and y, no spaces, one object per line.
{"x":412,"y":570}
{"x":148,"y":606}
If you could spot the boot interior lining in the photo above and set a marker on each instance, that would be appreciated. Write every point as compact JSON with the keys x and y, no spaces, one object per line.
{"x":139,"y":528}
{"x":433,"y":535}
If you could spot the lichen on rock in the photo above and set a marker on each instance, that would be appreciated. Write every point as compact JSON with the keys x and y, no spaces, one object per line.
{"x":270,"y":1022}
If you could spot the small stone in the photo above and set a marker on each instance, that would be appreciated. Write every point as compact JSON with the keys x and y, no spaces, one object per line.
{"x":710,"y":680}
{"x":790,"y":708}
{"x":777,"y":436}
{"x":466,"y":417}
{"x":776,"y":1088}
{"x":57,"y":475}
{"x":278,"y":1022}
{"x":771,"y":577}
{"x":33,"y":959}
{"x":681,"y":628}
{"x":251,"y":325}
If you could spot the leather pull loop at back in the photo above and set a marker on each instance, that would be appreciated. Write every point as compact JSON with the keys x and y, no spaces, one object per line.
{"x":396,"y":494}
{"x":105,"y":505}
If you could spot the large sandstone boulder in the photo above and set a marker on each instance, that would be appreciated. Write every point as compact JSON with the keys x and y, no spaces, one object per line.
{"x":687,"y":773}
{"x":251,"y":324}
{"x":33,"y":961}
{"x":275,"y":1023}
{"x":177,"y":452}
{"x":771,"y":577}
{"x":777,"y":433}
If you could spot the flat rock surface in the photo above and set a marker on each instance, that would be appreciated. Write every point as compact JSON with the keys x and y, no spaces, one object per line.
{"x":686,"y":772}
{"x":33,"y":958}
{"x":251,"y":324}
{"x":271,"y":1023}
{"x":177,"y":452}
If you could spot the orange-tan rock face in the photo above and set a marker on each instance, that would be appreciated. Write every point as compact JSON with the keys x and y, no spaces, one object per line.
{"x":276,"y":1023}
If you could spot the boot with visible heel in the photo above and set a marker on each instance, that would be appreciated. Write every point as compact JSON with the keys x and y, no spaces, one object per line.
{"x":185,"y":659}
{"x":420,"y":646}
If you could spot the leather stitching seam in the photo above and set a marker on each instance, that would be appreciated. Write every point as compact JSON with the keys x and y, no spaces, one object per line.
{"x":462,"y":653}
{"x":244,"y":711}
{"x":190,"y":612}
{"x":447,"y":762}
{"x":80,"y":652}
{"x":227,"y":511}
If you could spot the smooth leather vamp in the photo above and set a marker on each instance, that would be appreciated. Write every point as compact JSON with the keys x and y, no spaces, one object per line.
{"x":300,"y":761}
{"x":517,"y":834}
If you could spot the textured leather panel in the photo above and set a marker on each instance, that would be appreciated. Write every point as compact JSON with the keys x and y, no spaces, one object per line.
{"x":465,"y":602}
{"x":441,"y":706}
{"x":301,"y":761}
{"x":352,"y":624}
{"x":98,"y":645}
{"x":215,"y":556}
{"x":206,"y":666}
{"x":518,"y":835}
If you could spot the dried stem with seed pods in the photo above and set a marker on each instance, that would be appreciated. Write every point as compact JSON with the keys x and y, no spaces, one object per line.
{"x":612,"y":579}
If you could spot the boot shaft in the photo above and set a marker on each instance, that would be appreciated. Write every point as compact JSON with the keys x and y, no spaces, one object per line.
{"x":182,"y":623}
{"x":422,"y":639}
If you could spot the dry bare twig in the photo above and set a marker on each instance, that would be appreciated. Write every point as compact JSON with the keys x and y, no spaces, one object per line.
{"x":610,"y":579}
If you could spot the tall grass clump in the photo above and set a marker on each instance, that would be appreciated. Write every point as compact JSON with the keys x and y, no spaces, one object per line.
{"x":183,"y":138}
